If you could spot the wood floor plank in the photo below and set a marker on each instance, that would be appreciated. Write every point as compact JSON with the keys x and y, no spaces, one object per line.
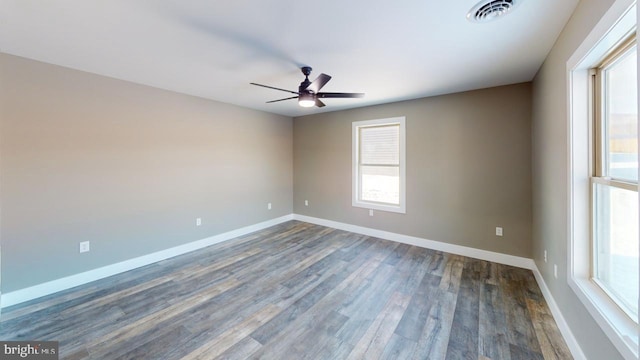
{"x":463,"y":339}
{"x":292,"y":312}
{"x":343,"y":293}
{"x":353,"y":273}
{"x":398,"y":347}
{"x":157,"y":318}
{"x":521,"y":332}
{"x":397,"y":254}
{"x":493,"y":341}
{"x":241,"y":350}
{"x":362,"y":309}
{"x":372,"y":344}
{"x":318,"y":342}
{"x":155,"y":348}
{"x":299,"y":291}
{"x":520,"y":353}
{"x":247,"y":293}
{"x":284,"y":295}
{"x":552,"y":344}
{"x":452,"y":274}
{"x":47,"y":303}
{"x":226,"y":340}
{"x":434,"y":340}
{"x":415,"y":317}
{"x":437,"y":262}
{"x":412,"y":269}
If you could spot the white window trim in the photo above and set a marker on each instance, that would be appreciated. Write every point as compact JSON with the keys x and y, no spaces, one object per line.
{"x":619,"y":20}
{"x":355,"y":201}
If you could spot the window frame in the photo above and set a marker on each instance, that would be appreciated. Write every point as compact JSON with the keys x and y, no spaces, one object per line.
{"x":600,"y":161}
{"x":616,"y":24}
{"x":356,"y":200}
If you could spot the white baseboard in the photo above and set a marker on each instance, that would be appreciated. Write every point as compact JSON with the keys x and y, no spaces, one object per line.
{"x":36,"y":291}
{"x":564,"y":328}
{"x":505,"y":259}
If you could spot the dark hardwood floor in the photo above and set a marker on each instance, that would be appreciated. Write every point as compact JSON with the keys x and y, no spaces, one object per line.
{"x":300,"y":291}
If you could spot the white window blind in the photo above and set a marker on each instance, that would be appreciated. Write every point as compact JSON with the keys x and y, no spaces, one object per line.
{"x":380,"y":145}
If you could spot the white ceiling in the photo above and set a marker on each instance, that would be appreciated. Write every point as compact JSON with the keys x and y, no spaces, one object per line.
{"x":390,"y":50}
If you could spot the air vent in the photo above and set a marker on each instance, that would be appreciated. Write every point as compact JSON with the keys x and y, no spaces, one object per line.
{"x":486,"y":11}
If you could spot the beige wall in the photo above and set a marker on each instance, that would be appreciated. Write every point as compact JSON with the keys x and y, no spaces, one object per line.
{"x":468,"y":168}
{"x":128,"y":167}
{"x":550,"y":174}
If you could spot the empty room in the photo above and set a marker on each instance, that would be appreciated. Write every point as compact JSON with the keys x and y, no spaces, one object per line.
{"x":336,"y":180}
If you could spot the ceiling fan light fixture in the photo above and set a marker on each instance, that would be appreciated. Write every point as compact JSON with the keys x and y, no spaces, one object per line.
{"x":306,"y":100}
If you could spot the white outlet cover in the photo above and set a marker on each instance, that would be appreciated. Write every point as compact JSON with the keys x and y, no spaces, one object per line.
{"x":370,"y":212}
{"x":269,"y":206}
{"x":555,"y":271}
{"x":198,"y":221}
{"x":85,"y":246}
{"x":306,"y":203}
{"x":498,"y":231}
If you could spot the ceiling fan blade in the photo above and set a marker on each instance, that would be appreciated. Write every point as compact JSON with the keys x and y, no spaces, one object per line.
{"x":318,"y":83}
{"x":275,"y":88}
{"x":289,"y":98}
{"x":319,"y":103}
{"x":327,"y":95}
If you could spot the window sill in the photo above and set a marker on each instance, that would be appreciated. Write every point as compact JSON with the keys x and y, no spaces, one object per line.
{"x":619,"y":328}
{"x":380,"y":207}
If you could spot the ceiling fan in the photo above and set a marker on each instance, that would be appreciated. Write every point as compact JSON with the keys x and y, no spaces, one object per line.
{"x":308,"y":93}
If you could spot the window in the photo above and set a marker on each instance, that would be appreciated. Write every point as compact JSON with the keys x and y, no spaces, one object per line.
{"x":379,"y":164}
{"x":615,"y":177}
{"x":603,"y":189}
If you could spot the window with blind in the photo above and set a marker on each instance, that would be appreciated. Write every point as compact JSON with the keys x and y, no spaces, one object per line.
{"x":379,"y":164}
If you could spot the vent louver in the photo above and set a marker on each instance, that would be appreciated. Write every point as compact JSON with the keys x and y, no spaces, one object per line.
{"x":486,"y":11}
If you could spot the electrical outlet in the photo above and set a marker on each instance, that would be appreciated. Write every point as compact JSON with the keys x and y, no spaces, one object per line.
{"x":370,"y":212}
{"x":555,"y":271}
{"x":269,"y":206}
{"x":498,"y":231}
{"x":545,"y":256}
{"x":306,"y":203}
{"x":85,"y":246}
{"x":198,"y":221}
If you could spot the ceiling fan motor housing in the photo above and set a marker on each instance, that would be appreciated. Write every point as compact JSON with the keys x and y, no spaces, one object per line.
{"x":306,"y":71}
{"x":303,"y":87}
